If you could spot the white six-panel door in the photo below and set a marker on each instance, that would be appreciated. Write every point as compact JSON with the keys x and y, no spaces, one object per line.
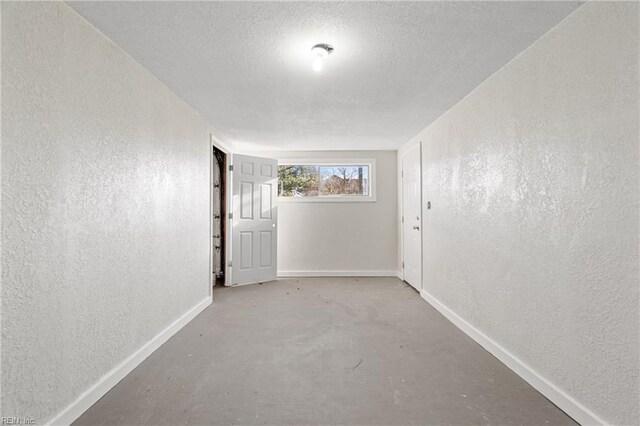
{"x":254,"y":220}
{"x":411,"y":212}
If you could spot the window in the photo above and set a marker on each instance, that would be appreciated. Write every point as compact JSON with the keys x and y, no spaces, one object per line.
{"x":326,"y":181}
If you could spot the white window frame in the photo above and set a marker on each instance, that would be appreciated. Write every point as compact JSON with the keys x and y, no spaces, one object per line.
{"x":371,"y":162}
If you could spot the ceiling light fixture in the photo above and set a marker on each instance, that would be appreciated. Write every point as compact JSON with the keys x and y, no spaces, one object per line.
{"x":321,"y":51}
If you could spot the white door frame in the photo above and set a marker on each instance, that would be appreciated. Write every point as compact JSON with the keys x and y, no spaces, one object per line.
{"x":402,"y":212}
{"x":215,"y":142}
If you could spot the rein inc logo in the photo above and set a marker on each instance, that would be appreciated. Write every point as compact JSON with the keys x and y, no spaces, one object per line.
{"x":17,"y":421}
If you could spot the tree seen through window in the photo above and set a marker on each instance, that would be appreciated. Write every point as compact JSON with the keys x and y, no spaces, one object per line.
{"x":302,"y":180}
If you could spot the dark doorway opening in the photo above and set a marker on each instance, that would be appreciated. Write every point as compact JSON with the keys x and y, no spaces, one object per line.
{"x":218,"y":210}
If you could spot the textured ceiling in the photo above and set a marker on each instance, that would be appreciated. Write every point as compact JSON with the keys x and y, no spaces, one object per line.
{"x":397,"y":66}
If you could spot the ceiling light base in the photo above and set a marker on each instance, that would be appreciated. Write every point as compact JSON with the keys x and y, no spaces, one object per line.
{"x":322,"y":49}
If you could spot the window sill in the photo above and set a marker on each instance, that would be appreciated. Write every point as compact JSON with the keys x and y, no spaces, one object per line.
{"x":345,"y":199}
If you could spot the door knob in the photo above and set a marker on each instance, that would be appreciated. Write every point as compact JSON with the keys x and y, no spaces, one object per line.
{"x":416,"y":227}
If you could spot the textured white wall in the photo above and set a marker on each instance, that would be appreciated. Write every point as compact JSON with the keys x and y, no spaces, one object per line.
{"x":342,"y":236}
{"x":533,"y":234}
{"x":105,"y":205}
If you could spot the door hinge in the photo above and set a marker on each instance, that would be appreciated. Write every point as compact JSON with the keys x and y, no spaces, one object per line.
{"x":230,"y":263}
{"x":402,"y":173}
{"x":231,"y":168}
{"x":402,"y":265}
{"x":230,"y":215}
{"x":402,"y":219}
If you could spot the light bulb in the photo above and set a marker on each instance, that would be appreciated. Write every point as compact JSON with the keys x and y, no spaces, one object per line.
{"x":320,"y":51}
{"x":318,"y":64}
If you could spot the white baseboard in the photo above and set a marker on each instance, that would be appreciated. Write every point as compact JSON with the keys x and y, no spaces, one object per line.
{"x":565,"y":402}
{"x":109,"y":380}
{"x":284,"y":274}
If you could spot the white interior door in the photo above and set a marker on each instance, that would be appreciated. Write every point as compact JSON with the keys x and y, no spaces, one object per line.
{"x":254,"y":220}
{"x":411,"y":218}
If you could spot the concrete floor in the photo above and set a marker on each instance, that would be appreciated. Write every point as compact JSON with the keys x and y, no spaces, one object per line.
{"x":322,"y":351}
